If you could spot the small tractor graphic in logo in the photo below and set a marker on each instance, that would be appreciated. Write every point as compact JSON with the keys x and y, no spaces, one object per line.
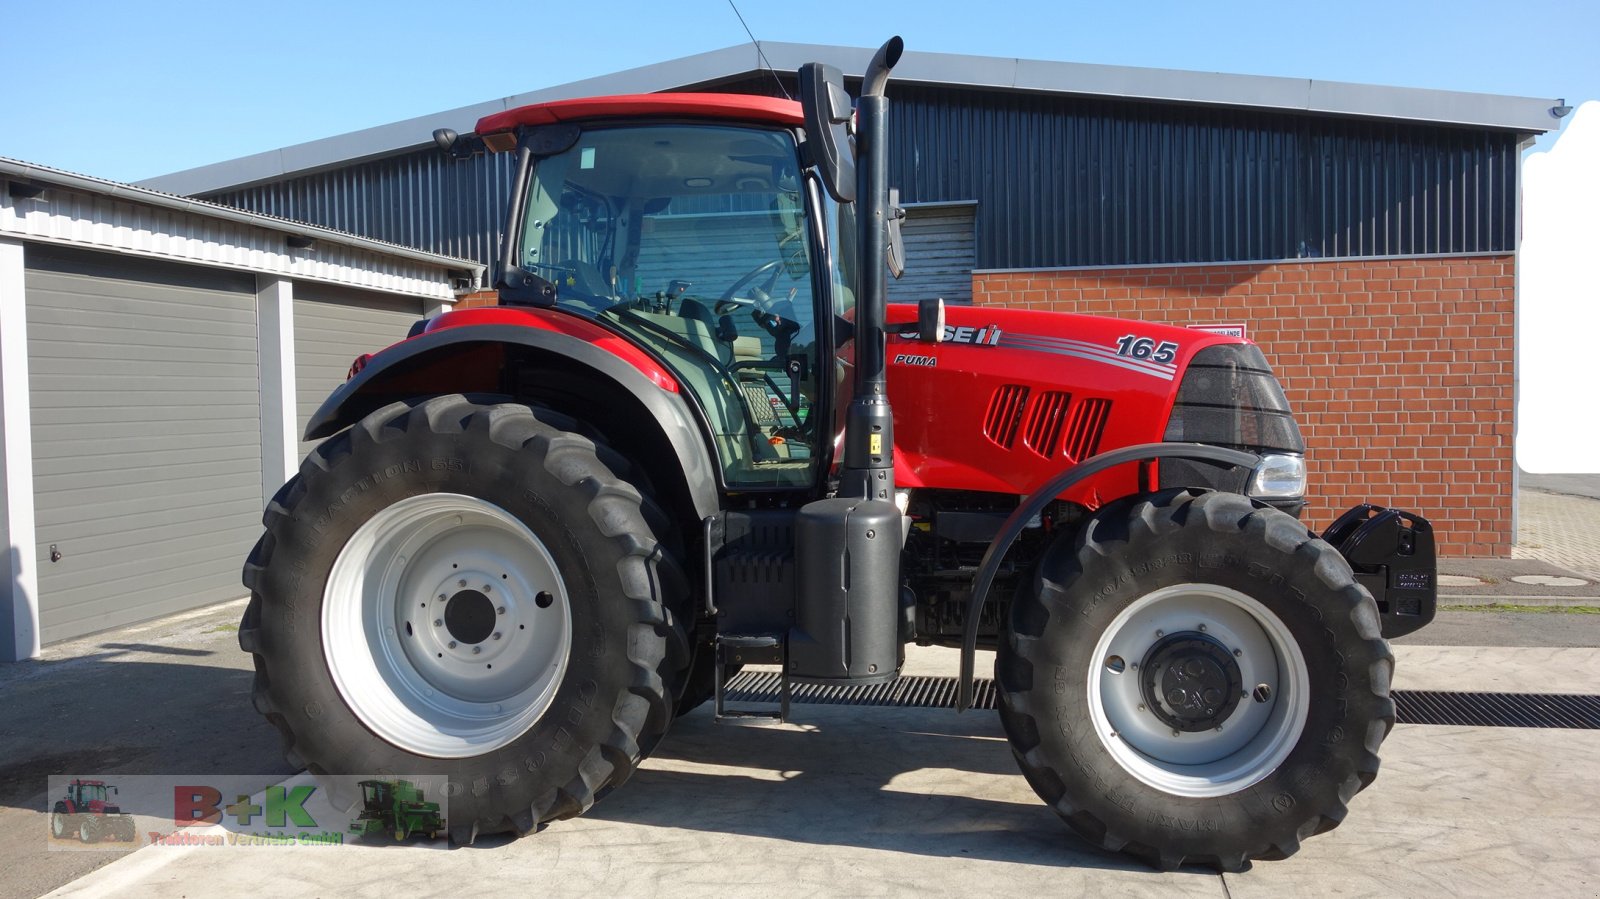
{"x":395,"y":807}
{"x":87,"y":813}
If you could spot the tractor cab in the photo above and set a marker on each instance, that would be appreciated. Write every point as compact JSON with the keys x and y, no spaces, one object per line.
{"x":699,"y":240}
{"x":85,"y":793}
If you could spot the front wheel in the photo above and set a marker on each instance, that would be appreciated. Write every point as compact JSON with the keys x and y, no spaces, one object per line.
{"x":1195,"y":677}
{"x":468,"y":590}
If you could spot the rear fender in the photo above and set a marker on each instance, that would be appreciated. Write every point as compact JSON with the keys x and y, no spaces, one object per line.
{"x":470,"y":359}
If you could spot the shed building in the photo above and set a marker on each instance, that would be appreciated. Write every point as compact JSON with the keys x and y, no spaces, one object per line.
{"x":158,"y":358}
{"x":1364,"y":236}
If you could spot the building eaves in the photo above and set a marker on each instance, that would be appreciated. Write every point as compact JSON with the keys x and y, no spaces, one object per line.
{"x":1525,"y":115}
{"x":28,"y":173}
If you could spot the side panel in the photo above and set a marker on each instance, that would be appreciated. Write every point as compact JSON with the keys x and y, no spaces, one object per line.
{"x":1013,"y":397}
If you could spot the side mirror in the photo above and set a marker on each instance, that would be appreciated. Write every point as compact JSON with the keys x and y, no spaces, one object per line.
{"x":897,"y":248}
{"x":828,"y":115}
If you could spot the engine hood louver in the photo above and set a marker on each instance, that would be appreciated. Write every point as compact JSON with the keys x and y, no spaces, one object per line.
{"x":1001,"y":422}
{"x":1049,"y":416}
{"x":1088,"y":423}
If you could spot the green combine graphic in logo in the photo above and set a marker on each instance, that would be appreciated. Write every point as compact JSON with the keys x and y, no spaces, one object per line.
{"x":397,"y":808}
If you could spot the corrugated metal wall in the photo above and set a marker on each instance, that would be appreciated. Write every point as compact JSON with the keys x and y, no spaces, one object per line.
{"x":1059,"y":181}
{"x":421,"y":199}
{"x":1066,"y":181}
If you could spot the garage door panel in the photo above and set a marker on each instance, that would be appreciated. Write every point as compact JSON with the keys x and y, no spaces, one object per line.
{"x":79,"y":609}
{"x":146,"y":433}
{"x":113,"y":533}
{"x":113,"y":564}
{"x":146,"y":514}
{"x":166,"y":466}
{"x":332,"y":328}
{"x":87,"y":397}
{"x":218,"y":353}
{"x":70,"y":428}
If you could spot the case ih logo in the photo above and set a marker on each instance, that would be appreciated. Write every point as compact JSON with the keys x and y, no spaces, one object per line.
{"x":986,"y":336}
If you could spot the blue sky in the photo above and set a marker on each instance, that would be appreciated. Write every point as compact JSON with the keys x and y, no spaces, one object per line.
{"x":130,"y":90}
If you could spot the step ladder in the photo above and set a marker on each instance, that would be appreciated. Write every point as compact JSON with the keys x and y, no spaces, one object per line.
{"x":751,"y":649}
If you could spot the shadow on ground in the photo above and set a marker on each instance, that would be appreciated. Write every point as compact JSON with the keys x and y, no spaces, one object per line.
{"x":887,"y":779}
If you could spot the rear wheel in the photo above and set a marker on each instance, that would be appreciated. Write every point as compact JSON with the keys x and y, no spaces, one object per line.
{"x":1195,"y":677}
{"x":62,"y":823}
{"x":88,"y":830}
{"x":469,"y":590}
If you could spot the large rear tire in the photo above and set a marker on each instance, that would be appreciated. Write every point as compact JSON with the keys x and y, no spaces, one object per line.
{"x":63,"y":824}
{"x":1195,"y":677}
{"x":469,"y":590}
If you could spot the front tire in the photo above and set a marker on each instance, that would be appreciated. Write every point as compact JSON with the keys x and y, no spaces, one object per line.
{"x":1195,"y":677}
{"x":468,"y":590}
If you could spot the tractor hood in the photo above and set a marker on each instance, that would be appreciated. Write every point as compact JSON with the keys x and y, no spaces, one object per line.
{"x":1012,"y":396}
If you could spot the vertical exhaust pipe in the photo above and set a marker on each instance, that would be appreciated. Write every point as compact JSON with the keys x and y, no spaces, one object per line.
{"x":867,"y":470}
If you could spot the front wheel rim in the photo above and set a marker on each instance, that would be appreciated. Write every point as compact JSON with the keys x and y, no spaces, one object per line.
{"x":1252,"y":736}
{"x":446,"y":624}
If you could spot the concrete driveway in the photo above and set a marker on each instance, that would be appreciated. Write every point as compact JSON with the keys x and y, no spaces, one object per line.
{"x":880,"y":801}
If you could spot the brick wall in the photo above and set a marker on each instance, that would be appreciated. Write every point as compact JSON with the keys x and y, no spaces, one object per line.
{"x":1399,"y":371}
{"x":477,"y":299}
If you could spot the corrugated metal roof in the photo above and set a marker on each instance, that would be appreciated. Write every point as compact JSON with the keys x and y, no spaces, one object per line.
{"x":1520,"y":114}
{"x":80,"y":210}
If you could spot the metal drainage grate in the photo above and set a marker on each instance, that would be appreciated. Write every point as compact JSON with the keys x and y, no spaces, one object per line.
{"x":1412,"y":706}
{"x":1568,"y":710}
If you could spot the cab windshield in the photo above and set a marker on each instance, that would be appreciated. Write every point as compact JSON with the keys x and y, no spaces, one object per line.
{"x":694,"y":240}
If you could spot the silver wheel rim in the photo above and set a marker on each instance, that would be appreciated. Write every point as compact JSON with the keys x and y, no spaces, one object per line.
{"x":446,"y":626}
{"x":1254,"y":738}
{"x":58,"y":824}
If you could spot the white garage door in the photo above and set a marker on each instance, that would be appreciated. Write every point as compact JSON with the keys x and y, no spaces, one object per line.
{"x":146,"y":436}
{"x":331,"y":328}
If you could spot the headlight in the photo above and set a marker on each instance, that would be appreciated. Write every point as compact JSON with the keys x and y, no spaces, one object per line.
{"x":1279,"y":476}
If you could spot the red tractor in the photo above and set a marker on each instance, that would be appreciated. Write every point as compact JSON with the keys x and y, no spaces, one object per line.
{"x":88,"y":813}
{"x":534,"y":533}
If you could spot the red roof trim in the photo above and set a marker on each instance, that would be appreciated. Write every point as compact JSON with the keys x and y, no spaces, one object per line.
{"x":743,"y":107}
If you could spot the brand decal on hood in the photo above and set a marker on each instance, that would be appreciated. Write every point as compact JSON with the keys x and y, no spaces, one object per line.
{"x":985,"y":336}
{"x":1132,"y":353}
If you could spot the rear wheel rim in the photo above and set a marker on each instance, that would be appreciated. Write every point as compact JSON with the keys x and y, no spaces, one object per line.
{"x":1253,"y":735}
{"x":446,"y":625}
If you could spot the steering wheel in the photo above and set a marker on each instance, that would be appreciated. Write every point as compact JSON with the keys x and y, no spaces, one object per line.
{"x":731,"y":300}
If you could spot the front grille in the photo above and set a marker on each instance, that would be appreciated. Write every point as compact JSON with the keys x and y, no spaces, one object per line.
{"x":1005,"y":414}
{"x":1557,"y":710}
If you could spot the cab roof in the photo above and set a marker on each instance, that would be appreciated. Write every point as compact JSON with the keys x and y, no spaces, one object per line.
{"x":741,"y":107}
